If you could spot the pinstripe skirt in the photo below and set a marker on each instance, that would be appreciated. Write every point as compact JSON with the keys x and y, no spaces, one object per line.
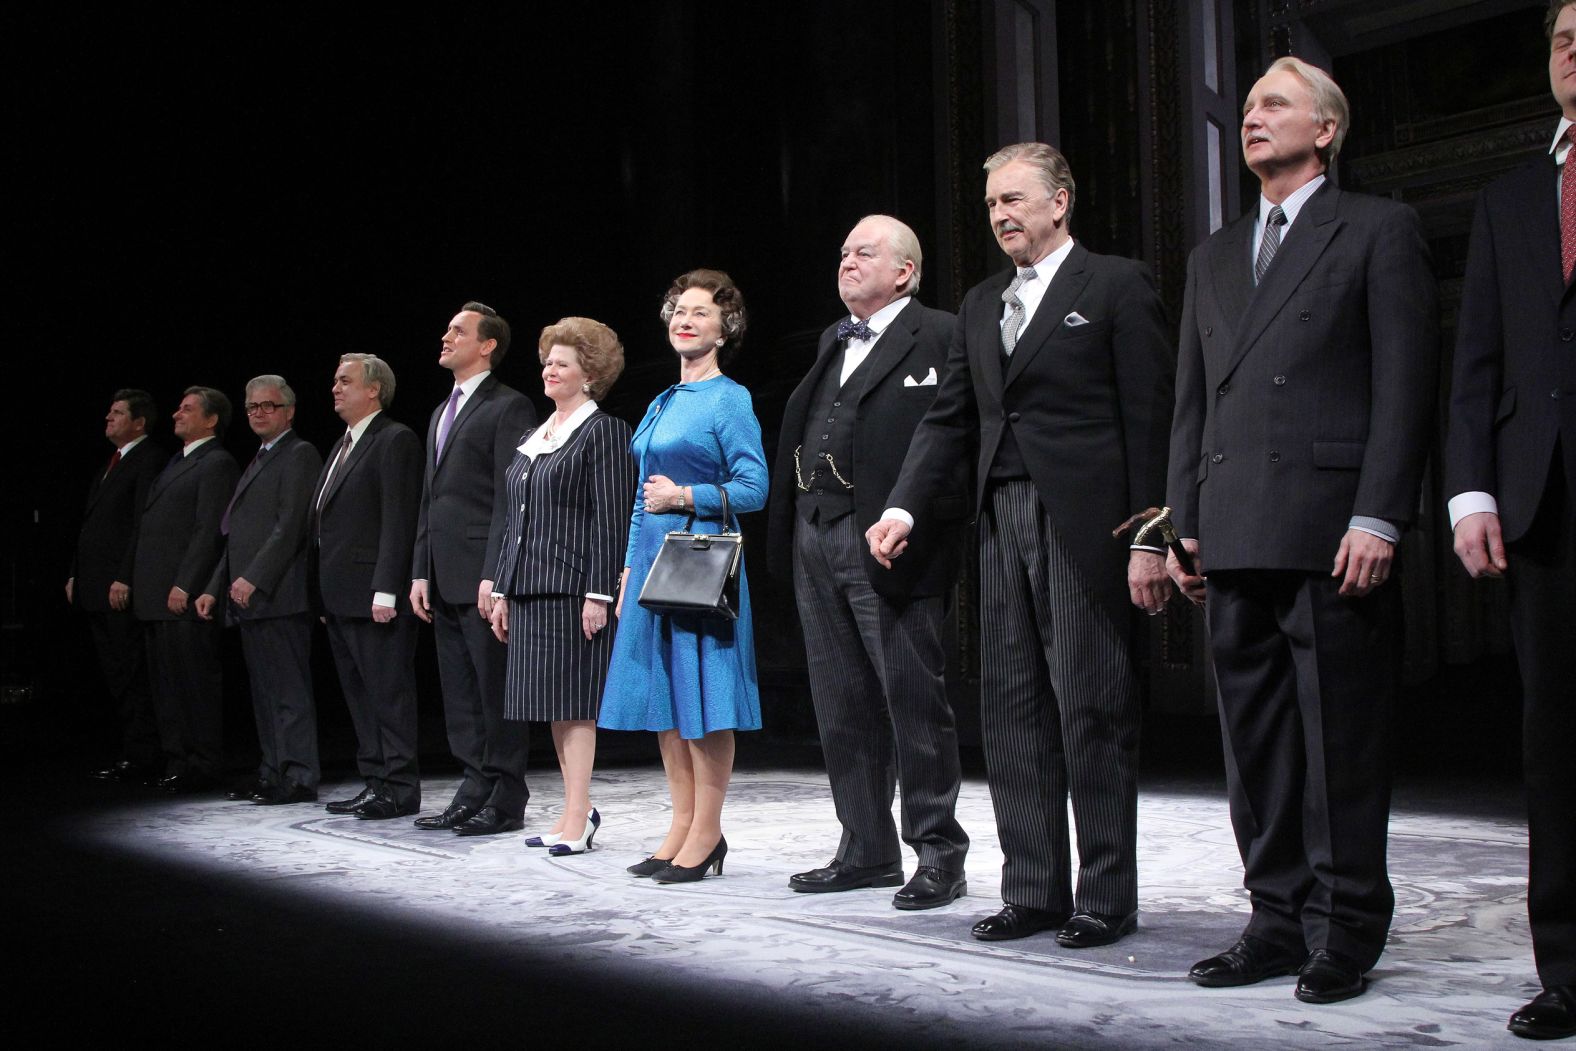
{"x":554,"y":673}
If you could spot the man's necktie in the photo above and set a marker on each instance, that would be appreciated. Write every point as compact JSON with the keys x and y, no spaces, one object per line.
{"x":114,"y":458}
{"x":1270,"y":244}
{"x":339,"y":461}
{"x":447,"y":422}
{"x":1568,"y":210}
{"x":1014,"y":322}
{"x":848,"y":329}
{"x":246,"y":476}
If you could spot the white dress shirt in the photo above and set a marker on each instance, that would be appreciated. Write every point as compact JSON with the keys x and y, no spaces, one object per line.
{"x":859,"y":349}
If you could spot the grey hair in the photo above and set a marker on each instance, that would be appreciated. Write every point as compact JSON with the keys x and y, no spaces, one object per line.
{"x":1054,"y":170}
{"x":905,"y":245}
{"x":374,"y":370}
{"x":1329,"y":101}
{"x":270,"y":380}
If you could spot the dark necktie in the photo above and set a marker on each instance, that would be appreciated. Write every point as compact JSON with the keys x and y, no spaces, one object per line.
{"x":1568,"y":210}
{"x":1270,"y":244}
{"x":848,"y":329}
{"x":1015,"y":311}
{"x":446,"y":423}
{"x":339,"y":461}
{"x":246,"y":476}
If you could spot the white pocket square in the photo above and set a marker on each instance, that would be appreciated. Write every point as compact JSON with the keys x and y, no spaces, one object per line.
{"x":928,"y":381}
{"x":1075,"y":319}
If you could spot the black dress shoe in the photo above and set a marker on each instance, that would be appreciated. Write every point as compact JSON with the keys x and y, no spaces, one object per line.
{"x":839,"y":875}
{"x":249,"y":793}
{"x":1328,"y":978}
{"x":1249,"y":961}
{"x":489,"y":821}
{"x":454,"y":814}
{"x":931,"y":888}
{"x":1085,"y":930}
{"x":286,"y":796}
{"x":381,"y":808}
{"x":125,"y":772}
{"x":186,"y":783}
{"x":1016,"y":921}
{"x":1550,"y":1016}
{"x":348,"y":806}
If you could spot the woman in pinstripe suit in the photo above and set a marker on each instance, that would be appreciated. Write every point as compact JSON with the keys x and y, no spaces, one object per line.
{"x":563,"y":519}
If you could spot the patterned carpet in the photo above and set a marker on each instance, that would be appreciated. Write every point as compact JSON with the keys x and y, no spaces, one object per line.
{"x":847,"y":969}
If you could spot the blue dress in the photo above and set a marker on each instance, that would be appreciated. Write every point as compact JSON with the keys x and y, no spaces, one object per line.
{"x":690,"y":673}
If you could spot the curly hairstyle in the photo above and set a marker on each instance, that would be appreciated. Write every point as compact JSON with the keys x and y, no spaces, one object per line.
{"x":727,"y":297}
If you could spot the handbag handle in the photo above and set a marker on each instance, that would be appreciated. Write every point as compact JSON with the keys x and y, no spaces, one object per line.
{"x":689,"y":522}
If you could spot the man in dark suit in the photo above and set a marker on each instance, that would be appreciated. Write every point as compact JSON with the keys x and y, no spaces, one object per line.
{"x":100,"y":581}
{"x":1511,"y":464}
{"x":176,"y":548}
{"x":363,"y":526}
{"x":471,"y":440}
{"x":261,"y":582}
{"x":1305,"y":394}
{"x":1059,"y":381}
{"x":872,"y":636}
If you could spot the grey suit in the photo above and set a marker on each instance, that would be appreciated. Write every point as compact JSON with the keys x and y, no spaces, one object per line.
{"x":178,"y":545}
{"x":267,"y":546}
{"x":454,"y":553}
{"x":1302,"y":403}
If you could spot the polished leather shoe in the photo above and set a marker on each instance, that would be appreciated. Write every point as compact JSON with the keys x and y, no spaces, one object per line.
{"x":1249,"y":961}
{"x":489,"y":821}
{"x":249,"y":793}
{"x":381,"y":808}
{"x":125,"y":771}
{"x":1550,"y":1016}
{"x":286,"y":796}
{"x":839,"y":875}
{"x":454,"y":814}
{"x":1016,"y":921}
{"x":931,"y":888}
{"x":1328,"y":978}
{"x":1085,"y":930}
{"x":348,"y":806}
{"x":186,"y":783}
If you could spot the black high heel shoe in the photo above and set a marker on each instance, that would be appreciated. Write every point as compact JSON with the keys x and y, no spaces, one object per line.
{"x":650,"y":867}
{"x":679,"y":874}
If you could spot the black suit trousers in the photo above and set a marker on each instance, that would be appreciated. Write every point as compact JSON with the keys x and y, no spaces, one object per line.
{"x":377,"y":671}
{"x":880,"y":701}
{"x":123,"y":662}
{"x":491,"y":749}
{"x":188,"y":694}
{"x":1542,"y":610}
{"x":1308,"y":682}
{"x":278,"y":653}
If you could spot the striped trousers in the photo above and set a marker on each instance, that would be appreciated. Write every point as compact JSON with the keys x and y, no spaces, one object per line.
{"x":1059,"y":713}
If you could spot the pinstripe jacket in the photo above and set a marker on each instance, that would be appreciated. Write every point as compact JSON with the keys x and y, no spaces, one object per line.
{"x":560,"y":522}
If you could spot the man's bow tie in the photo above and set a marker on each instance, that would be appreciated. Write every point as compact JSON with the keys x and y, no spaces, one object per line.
{"x":848,"y":328}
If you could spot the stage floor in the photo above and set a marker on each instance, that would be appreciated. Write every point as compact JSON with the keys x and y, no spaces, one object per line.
{"x":824,"y":970}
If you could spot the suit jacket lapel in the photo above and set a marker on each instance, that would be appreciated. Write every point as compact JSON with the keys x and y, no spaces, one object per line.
{"x":357,"y":452}
{"x":1230,"y":269}
{"x":1316,"y":224}
{"x":249,"y":476}
{"x":1069,"y":282}
{"x":174,"y":471}
{"x":889,"y":351}
{"x":482,"y":392}
{"x":1541,"y":233}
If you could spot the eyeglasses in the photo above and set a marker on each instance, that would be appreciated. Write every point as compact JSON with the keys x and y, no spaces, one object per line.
{"x":267,"y":408}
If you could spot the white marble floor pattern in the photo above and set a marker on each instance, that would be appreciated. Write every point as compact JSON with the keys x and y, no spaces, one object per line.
{"x":1458,"y":962}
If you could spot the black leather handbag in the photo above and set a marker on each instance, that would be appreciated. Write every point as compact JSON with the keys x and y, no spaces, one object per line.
{"x":696,"y":573}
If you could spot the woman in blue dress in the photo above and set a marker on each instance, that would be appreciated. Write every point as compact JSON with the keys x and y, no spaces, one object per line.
{"x":691,"y":679}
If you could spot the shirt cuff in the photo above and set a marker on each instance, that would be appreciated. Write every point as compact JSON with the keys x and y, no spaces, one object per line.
{"x":1472,"y":503}
{"x":385,"y":598}
{"x":1377,"y":527}
{"x":599,"y":598}
{"x":899,"y":514}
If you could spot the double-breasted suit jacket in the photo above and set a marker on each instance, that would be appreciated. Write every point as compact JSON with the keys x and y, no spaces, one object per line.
{"x":367,"y":520}
{"x":892,"y":396}
{"x":267,"y":542}
{"x":1512,"y":416}
{"x":455,"y":549}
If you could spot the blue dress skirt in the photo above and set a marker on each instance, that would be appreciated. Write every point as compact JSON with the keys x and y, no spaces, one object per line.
{"x":690,"y":673}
